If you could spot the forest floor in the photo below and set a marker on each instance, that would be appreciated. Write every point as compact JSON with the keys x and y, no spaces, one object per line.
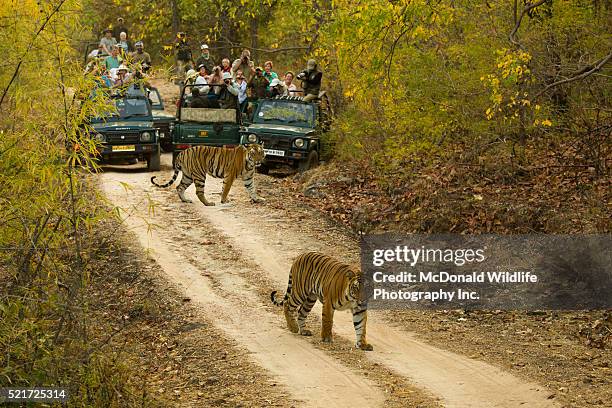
{"x":222,"y":263}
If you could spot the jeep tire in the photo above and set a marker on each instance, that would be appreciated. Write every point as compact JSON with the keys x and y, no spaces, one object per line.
{"x":154,"y":160}
{"x":167,"y":147}
{"x":311,"y":161}
{"x":263,"y":169}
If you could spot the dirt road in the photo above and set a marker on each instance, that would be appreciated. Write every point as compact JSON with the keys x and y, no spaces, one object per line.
{"x":228,"y":258}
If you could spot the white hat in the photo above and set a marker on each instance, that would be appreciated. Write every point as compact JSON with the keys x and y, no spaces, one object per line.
{"x":122,"y":68}
{"x":191,"y":75}
{"x":204,"y":47}
{"x":275,"y":82}
{"x":227,"y":75}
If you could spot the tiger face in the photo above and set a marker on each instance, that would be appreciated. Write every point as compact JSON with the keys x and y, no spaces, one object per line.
{"x":355,"y":289}
{"x":255,"y":154}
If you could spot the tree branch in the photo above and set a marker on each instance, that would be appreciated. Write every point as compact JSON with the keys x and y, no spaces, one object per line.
{"x":264,"y":50}
{"x":583,"y":73}
{"x":517,"y":21}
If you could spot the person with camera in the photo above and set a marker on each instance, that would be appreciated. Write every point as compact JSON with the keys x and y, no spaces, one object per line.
{"x":140,"y":56}
{"x":311,"y":80}
{"x":242,"y":91}
{"x":258,"y":85}
{"x":228,"y":96}
{"x":245,"y":64}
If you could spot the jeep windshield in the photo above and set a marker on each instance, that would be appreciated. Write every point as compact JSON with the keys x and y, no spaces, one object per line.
{"x":126,"y":108}
{"x":285,"y":113}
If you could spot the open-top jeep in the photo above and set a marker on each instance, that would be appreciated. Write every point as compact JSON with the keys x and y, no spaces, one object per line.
{"x":290,"y":130}
{"x":162,"y":120}
{"x":127,"y":132}
{"x":207,"y":126}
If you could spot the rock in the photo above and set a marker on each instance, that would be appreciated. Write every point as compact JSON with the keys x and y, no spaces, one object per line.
{"x":313,"y":191}
{"x":346,"y":180}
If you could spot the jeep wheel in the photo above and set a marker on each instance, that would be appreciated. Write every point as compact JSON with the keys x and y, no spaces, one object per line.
{"x":263,"y":169}
{"x":310,"y":163}
{"x":154,"y":160}
{"x":167,"y":147}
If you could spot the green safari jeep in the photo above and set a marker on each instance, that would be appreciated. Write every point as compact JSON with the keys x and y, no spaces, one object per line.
{"x":128,"y":132}
{"x":290,"y":130}
{"x":210,"y":126}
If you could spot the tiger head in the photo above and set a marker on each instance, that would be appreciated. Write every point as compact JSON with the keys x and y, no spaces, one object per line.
{"x":354,"y":287}
{"x":255,"y":154}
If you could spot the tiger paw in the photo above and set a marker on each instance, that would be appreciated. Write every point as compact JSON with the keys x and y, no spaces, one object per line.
{"x":305,"y":332}
{"x":364,"y":346}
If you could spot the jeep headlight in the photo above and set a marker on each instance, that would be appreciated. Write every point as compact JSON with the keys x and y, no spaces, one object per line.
{"x":252,"y":138}
{"x":145,"y":137}
{"x":299,"y":143}
{"x":100,"y":138}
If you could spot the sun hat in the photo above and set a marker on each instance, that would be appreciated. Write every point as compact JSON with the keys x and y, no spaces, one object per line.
{"x":191,"y":74}
{"x":226,"y":75}
{"x":204,"y":47}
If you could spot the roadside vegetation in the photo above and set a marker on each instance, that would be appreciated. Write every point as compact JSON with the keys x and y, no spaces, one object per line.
{"x":48,"y":218}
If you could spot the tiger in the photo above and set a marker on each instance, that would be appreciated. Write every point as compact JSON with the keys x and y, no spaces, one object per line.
{"x":220,"y":162}
{"x":337,"y":286}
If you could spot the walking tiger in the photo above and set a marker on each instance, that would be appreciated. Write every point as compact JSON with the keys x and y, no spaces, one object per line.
{"x":220,"y":162}
{"x":338,"y":286}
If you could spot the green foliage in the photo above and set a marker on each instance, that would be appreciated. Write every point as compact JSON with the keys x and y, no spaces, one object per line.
{"x":46,"y":209}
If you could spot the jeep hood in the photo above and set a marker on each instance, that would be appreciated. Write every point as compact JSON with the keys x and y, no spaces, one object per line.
{"x":269,"y":128}
{"x":122,"y":125}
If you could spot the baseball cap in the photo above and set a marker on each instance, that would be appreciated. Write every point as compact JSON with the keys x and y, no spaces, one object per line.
{"x":259,"y":69}
{"x":275,"y":82}
{"x":204,"y":47}
{"x":227,"y":75}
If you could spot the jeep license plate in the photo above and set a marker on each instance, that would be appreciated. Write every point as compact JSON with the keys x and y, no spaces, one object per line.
{"x":124,"y":148}
{"x":272,"y":152}
{"x":203,"y":133}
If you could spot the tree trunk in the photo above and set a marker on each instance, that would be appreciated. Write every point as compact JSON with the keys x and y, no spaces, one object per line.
{"x":176,"y":19}
{"x":254,"y":38}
